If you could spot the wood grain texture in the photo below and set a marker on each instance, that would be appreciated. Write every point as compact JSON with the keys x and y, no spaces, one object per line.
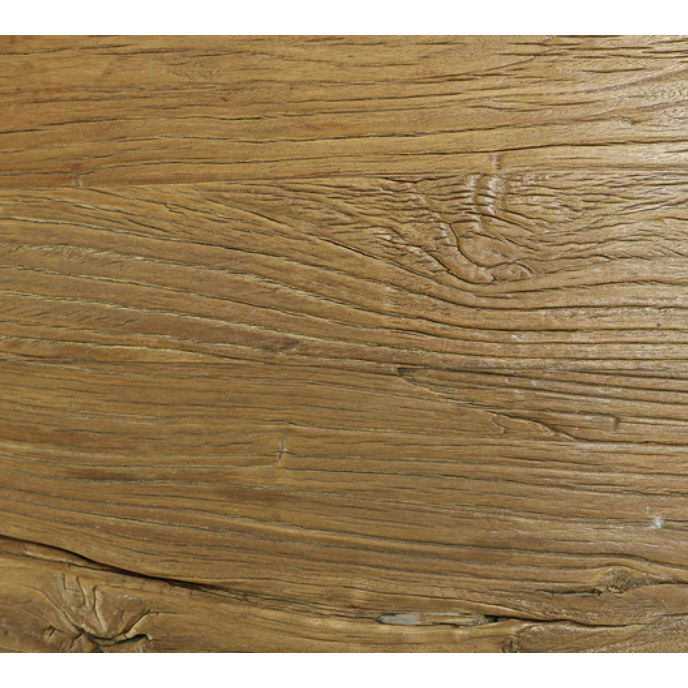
{"x":98,"y":111}
{"x":343,"y":344}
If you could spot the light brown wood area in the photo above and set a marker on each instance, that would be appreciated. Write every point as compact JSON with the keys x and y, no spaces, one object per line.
{"x":344,"y":344}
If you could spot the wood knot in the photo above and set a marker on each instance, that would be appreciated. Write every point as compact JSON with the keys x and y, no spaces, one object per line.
{"x":621,"y":580}
{"x":95,"y":619}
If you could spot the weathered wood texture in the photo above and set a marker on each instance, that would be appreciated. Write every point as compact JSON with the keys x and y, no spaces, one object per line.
{"x":343,"y":344}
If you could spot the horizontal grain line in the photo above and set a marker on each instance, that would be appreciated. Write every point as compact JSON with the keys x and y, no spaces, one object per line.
{"x":376,"y":567}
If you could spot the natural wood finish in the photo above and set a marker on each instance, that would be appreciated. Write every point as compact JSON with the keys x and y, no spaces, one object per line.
{"x":111,"y":110}
{"x":69,"y":604}
{"x":343,"y":344}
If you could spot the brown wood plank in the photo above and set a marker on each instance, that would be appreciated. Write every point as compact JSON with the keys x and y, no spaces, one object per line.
{"x":90,"y":111}
{"x":576,"y":271}
{"x":354,"y":488}
{"x":51,"y":601}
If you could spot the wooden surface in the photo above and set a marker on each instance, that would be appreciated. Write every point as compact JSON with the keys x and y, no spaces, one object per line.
{"x":343,"y":344}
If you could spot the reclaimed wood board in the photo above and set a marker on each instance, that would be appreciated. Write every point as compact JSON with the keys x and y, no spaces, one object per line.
{"x":344,"y":344}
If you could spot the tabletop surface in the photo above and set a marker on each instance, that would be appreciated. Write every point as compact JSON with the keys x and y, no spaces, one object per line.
{"x":344,"y":344}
